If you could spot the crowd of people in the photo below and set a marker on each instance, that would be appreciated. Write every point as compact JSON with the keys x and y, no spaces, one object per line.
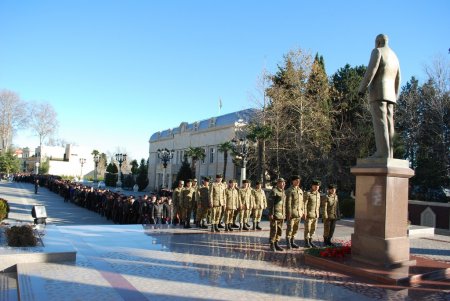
{"x":216,"y":204}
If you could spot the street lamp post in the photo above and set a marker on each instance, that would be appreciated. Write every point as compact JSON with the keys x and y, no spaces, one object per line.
{"x":96,"y":160}
{"x":120,"y":158}
{"x":37,"y":167}
{"x":165,"y":156}
{"x":82,"y":161}
{"x":241,"y":148}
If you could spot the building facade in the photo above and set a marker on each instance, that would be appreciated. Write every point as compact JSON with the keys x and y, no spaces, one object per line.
{"x":207,"y":134}
{"x":63,"y":161}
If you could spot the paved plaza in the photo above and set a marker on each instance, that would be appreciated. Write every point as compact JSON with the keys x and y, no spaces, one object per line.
{"x":130,"y":262}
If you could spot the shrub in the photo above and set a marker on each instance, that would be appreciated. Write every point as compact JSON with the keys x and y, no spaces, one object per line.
{"x":4,"y":209}
{"x":111,"y":179}
{"x":21,"y":236}
{"x":347,"y":207}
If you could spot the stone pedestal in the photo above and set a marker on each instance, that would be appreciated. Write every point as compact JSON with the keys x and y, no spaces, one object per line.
{"x":381,"y":212}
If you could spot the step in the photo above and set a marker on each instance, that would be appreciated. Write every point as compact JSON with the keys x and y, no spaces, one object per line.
{"x":62,"y":281}
{"x":8,"y":287}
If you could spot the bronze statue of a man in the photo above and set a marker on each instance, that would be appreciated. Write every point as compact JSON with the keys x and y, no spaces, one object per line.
{"x":382,"y":79}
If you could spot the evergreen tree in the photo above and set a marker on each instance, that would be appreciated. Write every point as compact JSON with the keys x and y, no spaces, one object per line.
{"x":112,"y":168}
{"x":184,"y":173}
{"x":298,"y":117}
{"x":134,"y":167}
{"x":142,"y":177}
{"x":9,"y":163}
{"x":352,"y":131}
{"x":409,"y":107}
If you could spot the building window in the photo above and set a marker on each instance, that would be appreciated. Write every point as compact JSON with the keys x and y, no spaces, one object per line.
{"x":204,"y":158}
{"x":211,"y":155}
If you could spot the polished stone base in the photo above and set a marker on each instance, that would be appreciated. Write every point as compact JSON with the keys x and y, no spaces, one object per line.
{"x":421,"y":272}
{"x":381,"y":212}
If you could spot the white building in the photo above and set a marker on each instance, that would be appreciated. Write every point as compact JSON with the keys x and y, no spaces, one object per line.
{"x":63,"y":161}
{"x":208,"y":134}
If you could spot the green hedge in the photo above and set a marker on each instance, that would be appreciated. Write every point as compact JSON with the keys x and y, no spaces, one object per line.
{"x":4,"y":209}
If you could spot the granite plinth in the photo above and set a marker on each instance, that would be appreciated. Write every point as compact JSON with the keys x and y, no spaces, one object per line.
{"x":381,"y":212}
{"x":423,"y":272}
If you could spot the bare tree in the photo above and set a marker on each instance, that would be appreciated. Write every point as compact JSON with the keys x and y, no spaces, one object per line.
{"x":43,"y":120}
{"x":13,"y":116}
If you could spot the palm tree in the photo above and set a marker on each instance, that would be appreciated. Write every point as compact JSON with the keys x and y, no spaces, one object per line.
{"x":225,"y":148}
{"x":195,"y":153}
{"x":259,"y":134}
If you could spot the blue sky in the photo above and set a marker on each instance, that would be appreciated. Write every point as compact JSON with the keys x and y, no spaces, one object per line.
{"x":118,"y":71}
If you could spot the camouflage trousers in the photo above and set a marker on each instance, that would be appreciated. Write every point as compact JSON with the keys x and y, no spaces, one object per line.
{"x":257,"y":214}
{"x":244,"y":216}
{"x":229,"y":216}
{"x":328,"y":227}
{"x":310,"y":227}
{"x":276,"y":229}
{"x":216,"y":211}
{"x":292,"y":227}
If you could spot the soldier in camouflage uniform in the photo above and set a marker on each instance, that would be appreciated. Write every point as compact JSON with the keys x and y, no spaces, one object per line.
{"x":245,"y":204}
{"x":312,"y":207}
{"x":294,"y":210}
{"x":331,"y":213}
{"x":194,"y":202}
{"x":203,"y":202}
{"x":259,"y":204}
{"x":276,"y":206}
{"x":231,"y":203}
{"x":216,"y":202}
{"x":187,"y":195}
{"x":176,"y":199}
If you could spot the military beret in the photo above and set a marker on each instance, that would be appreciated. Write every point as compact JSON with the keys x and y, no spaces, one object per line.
{"x":188,"y":180}
{"x":316,"y":182}
{"x":258,"y":183}
{"x":207,"y":179}
{"x":245,"y":181}
{"x":280,"y":180}
{"x":232,"y":181}
{"x":219,"y":176}
{"x":332,"y":186}
{"x":195,"y":180}
{"x":295,"y":177}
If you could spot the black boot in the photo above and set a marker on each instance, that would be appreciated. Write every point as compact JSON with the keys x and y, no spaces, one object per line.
{"x":272,"y":247}
{"x":326,"y":243}
{"x":330,"y":243}
{"x":226,"y":227}
{"x":254,"y":226}
{"x":203,"y":226}
{"x":212,"y":228}
{"x":248,"y":225}
{"x":221,"y":225}
{"x":307,"y":244}
{"x":312,"y":244}
{"x":230,"y":228}
{"x":257,"y":226}
{"x":240,"y":226}
{"x":216,"y":228}
{"x":235,"y":225}
{"x":293,"y":244}
{"x":288,"y":244}
{"x":245,"y":227}
{"x":277,"y":247}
